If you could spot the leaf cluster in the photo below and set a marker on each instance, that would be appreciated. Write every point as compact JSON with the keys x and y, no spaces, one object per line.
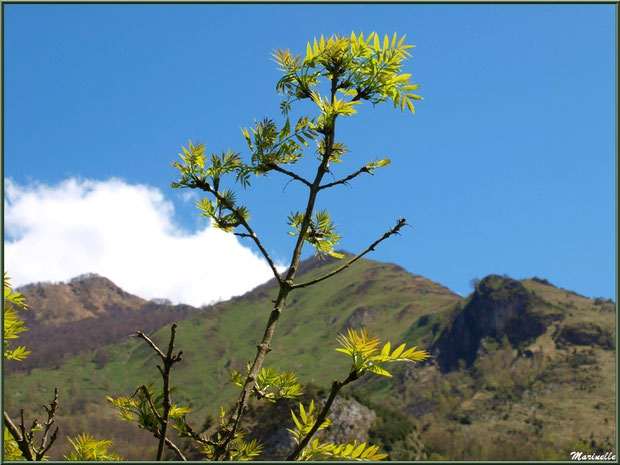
{"x":321,"y":232}
{"x":145,"y":408}
{"x":240,"y":450}
{"x":364,"y":350}
{"x":350,"y":452}
{"x":11,"y":448}
{"x":224,"y":212}
{"x":317,"y":449}
{"x":361,"y":68}
{"x":305,"y":422}
{"x":271,"y":385}
{"x":270,"y":146}
{"x":377,"y":164}
{"x":358,"y":68}
{"x":13,"y":325}
{"x":87,"y":448}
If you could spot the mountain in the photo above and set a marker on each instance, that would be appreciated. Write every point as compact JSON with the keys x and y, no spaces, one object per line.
{"x":514,"y":365}
{"x":86,"y":313}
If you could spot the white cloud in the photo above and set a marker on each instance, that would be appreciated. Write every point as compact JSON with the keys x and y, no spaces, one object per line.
{"x":123,"y":232}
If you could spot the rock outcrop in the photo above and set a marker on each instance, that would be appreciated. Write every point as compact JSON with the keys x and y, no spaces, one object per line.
{"x":499,"y":307}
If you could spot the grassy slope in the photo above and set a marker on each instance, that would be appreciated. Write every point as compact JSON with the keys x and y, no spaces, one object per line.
{"x":517,"y":408}
{"x":506,"y":407}
{"x":224,"y":338}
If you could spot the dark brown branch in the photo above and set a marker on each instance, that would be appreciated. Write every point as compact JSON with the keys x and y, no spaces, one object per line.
{"x":275,"y":167}
{"x":336,"y":387}
{"x":168,"y":360}
{"x":399,"y":224}
{"x":22,"y":442}
{"x":171,"y":445}
{"x":51,"y":411}
{"x":222,"y":450}
{"x":363,"y":169}
{"x":197,"y":437}
{"x":157,"y":433}
{"x":22,"y":426}
{"x":25,"y":440}
{"x":205,"y":186}
{"x":141,"y":334}
{"x":146,"y":393}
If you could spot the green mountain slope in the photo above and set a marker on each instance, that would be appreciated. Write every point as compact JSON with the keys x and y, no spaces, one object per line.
{"x":520,"y":369}
{"x":86,"y":313}
{"x":223,"y":337}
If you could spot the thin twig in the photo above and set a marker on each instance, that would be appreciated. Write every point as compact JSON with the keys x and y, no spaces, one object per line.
{"x":336,"y":386}
{"x":146,"y":393}
{"x":141,"y":334}
{"x":25,"y":440}
{"x":275,"y":167}
{"x":168,"y":360}
{"x":205,"y":186}
{"x":197,"y":437}
{"x":221,"y":450}
{"x":173,"y":446}
{"x":22,"y":426}
{"x":22,"y":443}
{"x":363,"y":169}
{"x":51,"y":411}
{"x":399,"y":224}
{"x":41,"y":453}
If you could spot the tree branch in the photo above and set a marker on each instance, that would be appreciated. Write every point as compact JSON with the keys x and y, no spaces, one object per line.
{"x":197,"y":437}
{"x":168,"y":361}
{"x":51,"y":411}
{"x":275,"y":167}
{"x":222,"y":449}
{"x":336,"y":386}
{"x":399,"y":224}
{"x":145,"y":391}
{"x":22,"y":442}
{"x":25,"y":440}
{"x":363,"y":169}
{"x":141,"y":334}
{"x":172,"y":446}
{"x":205,"y":186}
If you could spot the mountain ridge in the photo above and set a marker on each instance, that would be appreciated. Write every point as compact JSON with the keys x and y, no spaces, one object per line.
{"x":447,"y":400}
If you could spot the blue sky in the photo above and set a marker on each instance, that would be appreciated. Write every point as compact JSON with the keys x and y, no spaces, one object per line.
{"x":507,"y":167}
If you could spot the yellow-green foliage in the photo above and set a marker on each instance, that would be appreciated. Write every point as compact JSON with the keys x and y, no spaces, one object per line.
{"x":364,"y":349}
{"x":270,"y":384}
{"x":11,"y":449}
{"x":357,"y":69}
{"x":240,"y":450}
{"x":13,"y":326}
{"x":139,"y":407}
{"x":308,"y":419}
{"x":317,"y":449}
{"x":86,"y":448}
{"x":322,"y":235}
{"x":371,"y":68}
{"x":354,"y":69}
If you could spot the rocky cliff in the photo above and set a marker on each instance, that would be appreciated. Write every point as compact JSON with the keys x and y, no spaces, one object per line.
{"x":499,"y":307}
